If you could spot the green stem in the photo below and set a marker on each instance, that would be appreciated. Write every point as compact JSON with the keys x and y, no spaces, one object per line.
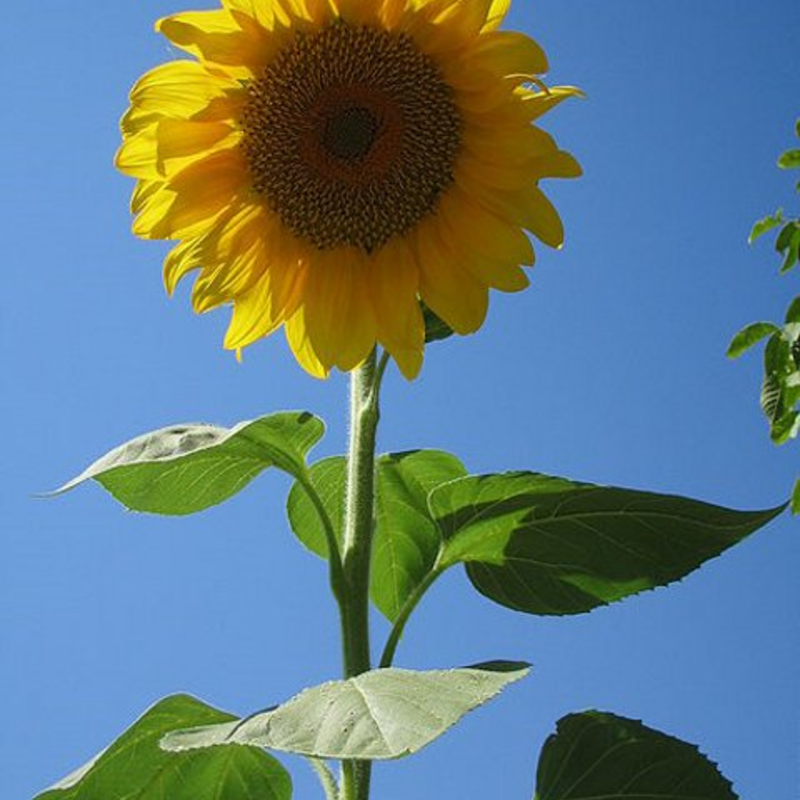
{"x":357,"y":544}
{"x":411,"y":603}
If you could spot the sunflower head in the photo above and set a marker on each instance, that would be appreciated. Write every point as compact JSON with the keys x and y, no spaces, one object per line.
{"x":330,"y":165}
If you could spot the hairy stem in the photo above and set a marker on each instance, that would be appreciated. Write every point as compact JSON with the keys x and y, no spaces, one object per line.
{"x":357,"y":545}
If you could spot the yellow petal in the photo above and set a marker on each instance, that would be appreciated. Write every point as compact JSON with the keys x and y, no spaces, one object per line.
{"x":182,"y":260}
{"x":181,"y":90}
{"x":193,"y":198}
{"x":297,"y":336}
{"x":490,"y":236}
{"x":216,"y":36}
{"x":509,"y":53}
{"x":393,"y":285}
{"x":338,"y":316}
{"x":497,"y":12}
{"x":448,"y":289}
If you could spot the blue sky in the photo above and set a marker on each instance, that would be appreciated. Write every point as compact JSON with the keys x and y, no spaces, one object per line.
{"x":610,"y":369}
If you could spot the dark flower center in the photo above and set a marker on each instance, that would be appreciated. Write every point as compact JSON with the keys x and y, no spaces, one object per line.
{"x":350,"y":133}
{"x":351,"y":136}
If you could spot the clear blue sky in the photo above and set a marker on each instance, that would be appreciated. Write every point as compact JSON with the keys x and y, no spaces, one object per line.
{"x":610,"y":369}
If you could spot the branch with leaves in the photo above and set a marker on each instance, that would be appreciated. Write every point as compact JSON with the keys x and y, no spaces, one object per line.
{"x":780,"y":389}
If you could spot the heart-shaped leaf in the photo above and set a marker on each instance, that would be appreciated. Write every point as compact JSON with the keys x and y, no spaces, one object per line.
{"x":407,"y":540}
{"x":136,"y":768}
{"x":598,"y":755}
{"x":383,"y":714}
{"x":188,"y":468}
{"x":547,"y":545}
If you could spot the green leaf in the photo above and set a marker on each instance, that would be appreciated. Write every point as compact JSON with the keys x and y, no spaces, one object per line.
{"x":328,"y":478}
{"x":791,"y":248}
{"x":407,"y":540}
{"x":796,"y":498}
{"x":546,"y":545}
{"x":793,"y":312}
{"x":136,"y":768}
{"x":785,"y":236}
{"x":184,"y":469}
{"x":749,"y":336}
{"x":436,"y":329}
{"x":789,"y":160}
{"x":599,"y":755}
{"x":383,"y":714}
{"x":765,"y":225}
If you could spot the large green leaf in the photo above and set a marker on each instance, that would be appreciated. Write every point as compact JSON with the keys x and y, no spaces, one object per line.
{"x":328,"y":478}
{"x":597,"y":755}
{"x":136,"y":768}
{"x":383,"y":714}
{"x":547,"y":545}
{"x":187,"y":468}
{"x":407,"y":540}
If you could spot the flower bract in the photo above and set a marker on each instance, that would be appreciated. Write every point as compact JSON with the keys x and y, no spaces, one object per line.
{"x":327,"y":165}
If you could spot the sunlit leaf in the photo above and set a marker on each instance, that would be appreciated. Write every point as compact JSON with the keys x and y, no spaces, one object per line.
{"x":383,"y":714}
{"x":765,"y":225}
{"x":749,"y":336}
{"x":789,"y":160}
{"x":547,"y":545}
{"x":134,"y":767}
{"x":187,"y":468}
{"x":598,"y":755}
{"x":407,"y":540}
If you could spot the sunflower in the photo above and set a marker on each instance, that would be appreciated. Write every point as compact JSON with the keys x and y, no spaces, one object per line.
{"x":328,"y":165}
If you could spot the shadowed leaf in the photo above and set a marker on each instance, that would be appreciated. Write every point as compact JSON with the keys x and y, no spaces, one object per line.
{"x":597,"y":755}
{"x":546,"y":545}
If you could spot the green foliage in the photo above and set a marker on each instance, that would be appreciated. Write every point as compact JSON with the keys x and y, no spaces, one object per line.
{"x":184,"y":469}
{"x":436,"y":329}
{"x":598,"y":755}
{"x":531,"y":542}
{"x":407,"y":540}
{"x":780,"y":388}
{"x":550,"y":546}
{"x":327,"y":478}
{"x":383,"y":714}
{"x":134,"y":767}
{"x":765,"y":225}
{"x":750,"y":336}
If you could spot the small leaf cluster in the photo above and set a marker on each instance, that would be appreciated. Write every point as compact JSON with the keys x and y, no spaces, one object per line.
{"x":780,"y":389}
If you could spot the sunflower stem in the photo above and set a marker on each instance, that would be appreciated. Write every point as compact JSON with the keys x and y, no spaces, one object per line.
{"x":357,"y":544}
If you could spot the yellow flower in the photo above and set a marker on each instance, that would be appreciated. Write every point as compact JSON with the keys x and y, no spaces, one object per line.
{"x":327,"y":164}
